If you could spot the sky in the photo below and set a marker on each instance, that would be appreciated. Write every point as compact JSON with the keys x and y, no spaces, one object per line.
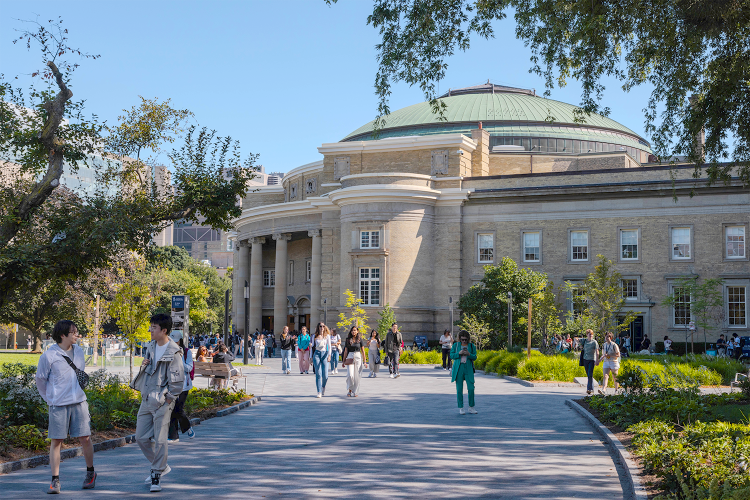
{"x":280,"y":77}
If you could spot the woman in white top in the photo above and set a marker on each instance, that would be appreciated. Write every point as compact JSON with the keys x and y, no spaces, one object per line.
{"x":373,"y":354}
{"x":446,"y":342}
{"x":335,"y":350}
{"x":611,"y":358}
{"x":260,"y":345}
{"x":322,"y":357}
{"x":354,"y":355}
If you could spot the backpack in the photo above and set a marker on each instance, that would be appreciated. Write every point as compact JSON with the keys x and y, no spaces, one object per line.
{"x":192,"y":371}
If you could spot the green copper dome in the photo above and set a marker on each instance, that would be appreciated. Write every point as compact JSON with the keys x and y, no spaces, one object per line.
{"x":504,"y":112}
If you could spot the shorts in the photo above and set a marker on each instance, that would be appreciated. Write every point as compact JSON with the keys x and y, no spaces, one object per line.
{"x":69,"y":419}
{"x":611,"y":366}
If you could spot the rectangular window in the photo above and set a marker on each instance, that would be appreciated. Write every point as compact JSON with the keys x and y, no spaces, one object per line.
{"x":682,"y":301}
{"x":630,"y":289}
{"x":308,"y":271}
{"x":629,"y":244}
{"x":736,"y":311}
{"x":369,"y":239}
{"x":230,"y":245}
{"x":291,"y":272}
{"x":735,"y":242}
{"x":531,"y":248}
{"x":485,"y":243}
{"x":269,"y":278}
{"x":369,"y":286}
{"x":680,"y":243}
{"x":579,"y":245}
{"x":577,"y":298}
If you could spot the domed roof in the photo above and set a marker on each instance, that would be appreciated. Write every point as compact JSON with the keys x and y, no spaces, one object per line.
{"x":503,"y":111}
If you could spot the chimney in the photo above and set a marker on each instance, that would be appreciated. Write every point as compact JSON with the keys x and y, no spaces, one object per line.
{"x":480,"y":158}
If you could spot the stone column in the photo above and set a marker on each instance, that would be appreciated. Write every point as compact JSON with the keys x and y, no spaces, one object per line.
{"x":315,"y":283}
{"x":241,"y":276}
{"x":256,"y":284}
{"x":280,"y":308}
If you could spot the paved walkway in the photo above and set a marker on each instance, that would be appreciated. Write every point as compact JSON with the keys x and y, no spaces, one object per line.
{"x":401,"y":438}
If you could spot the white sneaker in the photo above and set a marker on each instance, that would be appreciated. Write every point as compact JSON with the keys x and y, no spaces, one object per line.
{"x":319,"y":396}
{"x":155,"y":484}
{"x":370,"y":375}
{"x":472,"y":410}
{"x":393,"y":376}
{"x":164,"y":473}
{"x":375,"y":375}
{"x":461,"y":411}
{"x":398,"y":375}
{"x":288,"y":372}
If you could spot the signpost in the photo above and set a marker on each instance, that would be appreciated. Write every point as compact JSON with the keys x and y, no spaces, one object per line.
{"x":691,"y":327}
{"x":528,"y":347}
{"x":510,"y":320}
{"x":181,"y":314}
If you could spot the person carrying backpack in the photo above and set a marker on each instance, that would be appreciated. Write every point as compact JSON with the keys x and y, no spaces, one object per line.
{"x":178,"y":413}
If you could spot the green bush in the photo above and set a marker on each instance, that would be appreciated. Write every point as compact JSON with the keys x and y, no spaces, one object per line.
{"x":483,"y":357}
{"x":558,"y":368}
{"x":675,"y":374}
{"x":421,"y":358}
{"x":491,"y":366}
{"x":20,"y":402}
{"x":201,"y":399}
{"x":24,"y":436}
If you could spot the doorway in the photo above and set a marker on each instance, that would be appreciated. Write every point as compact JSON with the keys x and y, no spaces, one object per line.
{"x":634,"y":331}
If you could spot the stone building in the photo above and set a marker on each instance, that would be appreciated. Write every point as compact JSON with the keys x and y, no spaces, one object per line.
{"x":410,"y":218}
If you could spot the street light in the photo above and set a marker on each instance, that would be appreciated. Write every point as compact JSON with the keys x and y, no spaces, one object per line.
{"x":325,"y":311}
{"x":450,"y":304}
{"x":510,"y":320}
{"x":245,"y":322}
{"x":226,"y":317}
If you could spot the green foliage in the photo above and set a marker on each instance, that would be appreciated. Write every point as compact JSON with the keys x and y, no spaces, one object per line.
{"x":111,"y":403}
{"x":24,"y":436}
{"x":201,"y":399}
{"x":706,"y":301}
{"x":559,"y":368}
{"x":725,"y":367}
{"x":483,"y":357}
{"x":20,"y":402}
{"x":481,"y":333}
{"x":487,"y":301}
{"x":386,"y":319}
{"x":357,"y":315}
{"x":745,"y":387}
{"x":420,"y":358}
{"x":545,"y":315}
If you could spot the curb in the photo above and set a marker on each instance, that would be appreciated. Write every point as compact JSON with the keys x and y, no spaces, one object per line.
{"x":526,"y":383}
{"x":634,"y":486}
{"x":31,"y":462}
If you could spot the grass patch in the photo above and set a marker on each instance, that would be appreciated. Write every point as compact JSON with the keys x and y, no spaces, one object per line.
{"x":19,"y":357}
{"x":735,"y":414}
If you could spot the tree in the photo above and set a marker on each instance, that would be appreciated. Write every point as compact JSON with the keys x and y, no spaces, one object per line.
{"x":481,"y":333}
{"x":47,"y":133}
{"x":386,"y":320}
{"x":131,"y":309}
{"x":692,"y":53}
{"x":703,"y":300}
{"x":357,"y":316}
{"x":487,"y":301}
{"x":603,"y":299}
{"x":545,"y":315}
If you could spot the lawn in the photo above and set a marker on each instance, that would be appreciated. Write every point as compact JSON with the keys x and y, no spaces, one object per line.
{"x":735,"y":414}
{"x":19,"y":357}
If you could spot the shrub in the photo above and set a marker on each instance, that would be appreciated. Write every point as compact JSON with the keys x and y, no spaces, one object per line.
{"x":483,"y":357}
{"x":20,"y":402}
{"x":674,"y":374}
{"x":421,"y":358}
{"x":24,"y":436}
{"x":491,"y":366}
{"x":559,"y":368}
{"x":201,"y":399}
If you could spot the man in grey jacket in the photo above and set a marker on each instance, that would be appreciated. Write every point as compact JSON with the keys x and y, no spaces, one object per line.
{"x":160,"y":382}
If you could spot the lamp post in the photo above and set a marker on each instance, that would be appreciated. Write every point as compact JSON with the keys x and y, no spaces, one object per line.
{"x":96,"y":328}
{"x":226,"y":317}
{"x":325,"y":311}
{"x":245,"y":321}
{"x":450,"y":305}
{"x":510,"y":320}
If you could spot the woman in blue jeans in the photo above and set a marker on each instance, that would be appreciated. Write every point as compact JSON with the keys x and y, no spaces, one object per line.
{"x":322,"y":357}
{"x":335,"y":349}
{"x":590,"y":358}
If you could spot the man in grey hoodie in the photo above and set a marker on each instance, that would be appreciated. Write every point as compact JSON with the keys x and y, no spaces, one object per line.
{"x":160,"y":383}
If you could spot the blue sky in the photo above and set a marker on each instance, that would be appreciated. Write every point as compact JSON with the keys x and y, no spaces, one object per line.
{"x":281,"y":77}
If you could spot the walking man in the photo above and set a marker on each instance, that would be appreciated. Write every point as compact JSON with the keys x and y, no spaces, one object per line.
{"x":160,"y":382}
{"x":59,"y":385}
{"x":393,"y":346}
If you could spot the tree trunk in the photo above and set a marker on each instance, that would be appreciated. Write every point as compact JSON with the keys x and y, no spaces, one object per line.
{"x":131,"y":363}
{"x":37,"y":342}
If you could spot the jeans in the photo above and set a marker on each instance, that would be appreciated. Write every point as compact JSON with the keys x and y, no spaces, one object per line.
{"x":446,"y":358}
{"x":286,"y":360}
{"x":589,"y":364}
{"x":394,"y":357}
{"x":334,"y":359}
{"x":320,"y":362}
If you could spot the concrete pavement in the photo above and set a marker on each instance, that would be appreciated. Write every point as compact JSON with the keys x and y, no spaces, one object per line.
{"x":401,"y":438}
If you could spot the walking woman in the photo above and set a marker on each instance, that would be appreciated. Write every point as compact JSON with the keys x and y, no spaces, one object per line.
{"x":178,"y":412}
{"x":446,"y":342}
{"x":354,"y":355}
{"x":590,"y":358}
{"x":463,"y":354}
{"x":260,"y":345}
{"x":286,"y":351}
{"x":303,"y":349}
{"x":373,"y":354}
{"x":321,"y":357}
{"x":335,"y":350}
{"x":611,"y":356}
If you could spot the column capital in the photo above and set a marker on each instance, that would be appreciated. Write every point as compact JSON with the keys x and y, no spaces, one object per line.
{"x":243,"y":243}
{"x":282,"y":236}
{"x":312,"y":233}
{"x":258,"y":240}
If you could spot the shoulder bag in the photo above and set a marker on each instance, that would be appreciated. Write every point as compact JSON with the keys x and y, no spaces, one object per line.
{"x":82,"y":376}
{"x":580,"y":360}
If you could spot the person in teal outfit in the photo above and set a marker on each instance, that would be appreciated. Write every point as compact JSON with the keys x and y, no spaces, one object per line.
{"x":463,"y":354}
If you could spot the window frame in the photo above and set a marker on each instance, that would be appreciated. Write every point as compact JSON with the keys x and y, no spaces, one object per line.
{"x":733,"y":284}
{"x":290,"y":273}
{"x":637,"y":280}
{"x":672,"y":310}
{"x":570,"y":245}
{"x":476,"y":246}
{"x":639,"y":244}
{"x":690,"y":227}
{"x":369,"y":280}
{"x":271,"y":275}
{"x":369,"y":239}
{"x":523,"y":247}
{"x":308,"y":270}
{"x":577,"y":283}
{"x":724,"y":227}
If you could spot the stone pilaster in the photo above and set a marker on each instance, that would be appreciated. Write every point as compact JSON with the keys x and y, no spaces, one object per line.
{"x":241,"y":277}
{"x":256,"y":284}
{"x":280,"y":308}
{"x":315,"y":280}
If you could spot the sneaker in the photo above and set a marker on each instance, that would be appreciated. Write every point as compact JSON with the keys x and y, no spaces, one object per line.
{"x":370,"y":375}
{"x":173,"y":440}
{"x":461,"y":411}
{"x":319,"y":396}
{"x":54,"y":487}
{"x":324,"y":391}
{"x":90,"y":481}
{"x":375,"y":375}
{"x":601,"y":392}
{"x":164,"y":473}
{"x":398,"y":375}
{"x":392,"y":376}
{"x":472,"y":410}
{"x":307,"y":372}
{"x":155,"y":479}
{"x":190,"y":433}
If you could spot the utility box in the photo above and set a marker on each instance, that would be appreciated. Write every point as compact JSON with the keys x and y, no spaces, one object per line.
{"x":180,"y":314}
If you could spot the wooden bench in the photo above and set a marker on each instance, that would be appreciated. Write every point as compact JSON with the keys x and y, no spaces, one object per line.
{"x":219,"y":372}
{"x":737,"y":380}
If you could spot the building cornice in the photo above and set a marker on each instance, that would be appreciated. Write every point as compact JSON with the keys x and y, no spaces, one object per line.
{"x":305,"y":169}
{"x":400,"y":144}
{"x":387,"y":174}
